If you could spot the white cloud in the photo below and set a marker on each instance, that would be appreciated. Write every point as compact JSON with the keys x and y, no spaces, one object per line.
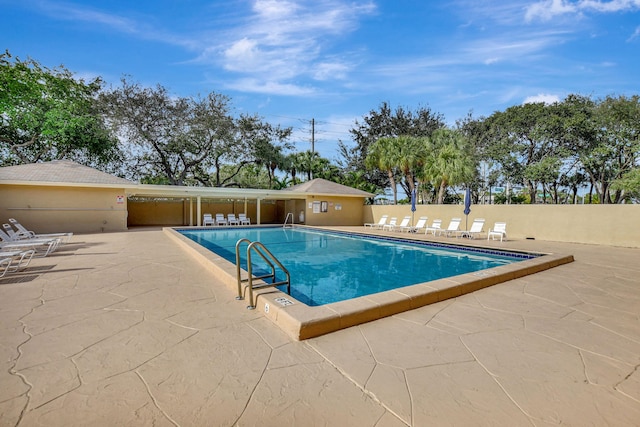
{"x":283,"y":40}
{"x":241,"y":55}
{"x":331,"y":71}
{"x":548,"y":9}
{"x":270,"y":87}
{"x":546,"y":98}
{"x":635,"y":35}
{"x":94,"y":17}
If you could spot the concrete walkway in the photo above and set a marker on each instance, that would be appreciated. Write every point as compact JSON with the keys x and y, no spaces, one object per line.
{"x":126,"y":329}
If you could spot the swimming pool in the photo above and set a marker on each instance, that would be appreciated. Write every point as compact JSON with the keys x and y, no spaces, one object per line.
{"x":327,"y":267}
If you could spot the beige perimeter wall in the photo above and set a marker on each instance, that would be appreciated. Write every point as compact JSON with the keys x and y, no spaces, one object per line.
{"x":617,"y":225}
{"x":64,"y":209}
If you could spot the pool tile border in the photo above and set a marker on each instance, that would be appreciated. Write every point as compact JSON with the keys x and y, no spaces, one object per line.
{"x":302,"y":322}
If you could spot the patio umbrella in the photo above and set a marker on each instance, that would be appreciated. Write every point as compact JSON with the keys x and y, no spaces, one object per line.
{"x":413,"y":204}
{"x":467,"y":207}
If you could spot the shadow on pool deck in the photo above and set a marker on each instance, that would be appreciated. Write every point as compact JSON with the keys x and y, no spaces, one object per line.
{"x":129,"y":329}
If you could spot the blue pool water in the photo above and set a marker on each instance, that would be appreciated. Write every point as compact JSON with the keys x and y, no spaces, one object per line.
{"x":326,"y":267}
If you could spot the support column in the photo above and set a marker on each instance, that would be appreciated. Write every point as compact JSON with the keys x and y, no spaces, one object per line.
{"x":190,"y":211}
{"x":258,"y":211}
{"x":199,"y":211}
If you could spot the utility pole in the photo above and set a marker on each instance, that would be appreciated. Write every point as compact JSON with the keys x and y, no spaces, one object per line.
{"x":313,"y":142}
{"x":313,"y":135}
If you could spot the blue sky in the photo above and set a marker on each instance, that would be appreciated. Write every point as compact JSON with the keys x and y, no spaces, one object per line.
{"x":335,"y":60}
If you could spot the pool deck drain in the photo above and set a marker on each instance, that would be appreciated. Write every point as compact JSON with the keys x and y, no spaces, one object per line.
{"x":301,"y":321}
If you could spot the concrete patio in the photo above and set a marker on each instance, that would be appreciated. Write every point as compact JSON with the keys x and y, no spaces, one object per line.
{"x":128,"y":329}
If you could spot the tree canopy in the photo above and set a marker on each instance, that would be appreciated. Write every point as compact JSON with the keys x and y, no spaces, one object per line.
{"x":47,"y":114}
{"x":189,"y":140}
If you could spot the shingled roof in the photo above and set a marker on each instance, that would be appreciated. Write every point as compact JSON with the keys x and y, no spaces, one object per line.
{"x":324,"y":187}
{"x":59,"y":171}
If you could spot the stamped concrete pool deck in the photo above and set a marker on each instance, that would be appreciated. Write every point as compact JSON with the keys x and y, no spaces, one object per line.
{"x":129,"y":329}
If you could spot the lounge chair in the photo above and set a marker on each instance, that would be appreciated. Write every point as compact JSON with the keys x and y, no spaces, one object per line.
{"x":23,"y":232}
{"x":476,"y":228}
{"x":232,"y":220}
{"x":221,"y":220}
{"x":434,"y":228}
{"x":5,"y":264}
{"x":207,"y":219}
{"x":404,"y":223}
{"x":243,"y":219}
{"x":422,"y":222}
{"x":393,"y":222}
{"x":42,"y":246}
{"x":379,"y":224}
{"x":11,"y":261}
{"x":453,"y":228}
{"x":499,"y":230}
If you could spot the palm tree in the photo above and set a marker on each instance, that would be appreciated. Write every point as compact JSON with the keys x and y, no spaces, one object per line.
{"x":306,"y":162}
{"x":382,"y":155}
{"x":410,"y":157}
{"x":448,"y":162}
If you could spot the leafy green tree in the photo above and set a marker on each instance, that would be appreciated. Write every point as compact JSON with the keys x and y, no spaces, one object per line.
{"x":47,"y":114}
{"x":410,"y":157}
{"x":629,"y":185}
{"x":385,"y":123}
{"x":306,"y":162}
{"x":252,"y":175}
{"x":266,"y":144}
{"x":381,"y":156}
{"x":356,"y":179}
{"x":448,"y":161}
{"x":174,"y":137}
{"x":531,"y":143}
{"x":323,"y":168}
{"x":618,"y":145}
{"x":189,"y":140}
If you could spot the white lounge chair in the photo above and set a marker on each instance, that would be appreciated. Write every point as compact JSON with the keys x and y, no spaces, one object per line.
{"x":499,"y":230}
{"x":42,"y":246}
{"x":453,"y":228}
{"x":404,"y":223}
{"x":422,"y":222}
{"x":207,"y":219}
{"x":11,"y":261}
{"x":379,"y":224}
{"x":23,"y":232}
{"x":5,"y":264}
{"x":221,"y":220}
{"x":392,"y":223}
{"x":232,"y":220}
{"x":476,"y":228}
{"x":434,"y":228}
{"x":243,"y":219}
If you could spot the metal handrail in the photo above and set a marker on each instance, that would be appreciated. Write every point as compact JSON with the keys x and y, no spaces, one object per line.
{"x":238,"y":274}
{"x":286,"y":218}
{"x":268,"y":258}
{"x":259,"y":247}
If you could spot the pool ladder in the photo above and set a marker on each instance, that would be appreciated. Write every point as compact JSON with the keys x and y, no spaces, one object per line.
{"x":289,"y":215}
{"x":270,"y":259}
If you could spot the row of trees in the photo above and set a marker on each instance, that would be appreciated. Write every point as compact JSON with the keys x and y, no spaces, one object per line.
{"x":147,"y":134}
{"x":555,"y":149}
{"x":579,"y":142}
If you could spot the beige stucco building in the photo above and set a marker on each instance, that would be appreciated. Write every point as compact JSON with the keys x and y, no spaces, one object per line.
{"x":64,"y":195}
